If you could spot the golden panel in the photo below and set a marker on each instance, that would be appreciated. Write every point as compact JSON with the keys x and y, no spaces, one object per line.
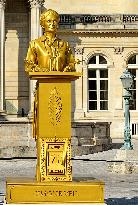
{"x":54,"y":159}
{"x":30,"y":191}
{"x":54,"y":108}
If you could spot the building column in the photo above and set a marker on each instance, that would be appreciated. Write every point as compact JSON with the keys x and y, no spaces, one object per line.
{"x":79,"y":113}
{"x":2,"y":48}
{"x":36,"y":31}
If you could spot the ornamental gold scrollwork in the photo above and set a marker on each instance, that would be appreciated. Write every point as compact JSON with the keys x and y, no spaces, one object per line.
{"x":55,"y":161}
{"x":55,"y":107}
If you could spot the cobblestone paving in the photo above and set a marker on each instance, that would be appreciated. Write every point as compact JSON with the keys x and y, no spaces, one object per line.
{"x":119,"y":189}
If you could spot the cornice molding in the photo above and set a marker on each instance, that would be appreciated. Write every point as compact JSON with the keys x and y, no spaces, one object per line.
{"x":98,"y":31}
{"x":2,"y":4}
{"x":71,"y":19}
{"x":36,"y":3}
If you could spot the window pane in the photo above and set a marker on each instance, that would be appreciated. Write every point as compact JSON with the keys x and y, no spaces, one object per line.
{"x":133,"y":129}
{"x":134,"y":84}
{"x":104,"y":73}
{"x":132,"y":60}
{"x":132,"y":71}
{"x":133,"y":93}
{"x":92,"y":95}
{"x":92,"y":105}
{"x":92,"y":60}
{"x":92,"y":84}
{"x":103,"y":84}
{"x":132,"y":104}
{"x":102,"y":60}
{"x":103,"y":95}
{"x":91,"y":73}
{"x":103,"y":105}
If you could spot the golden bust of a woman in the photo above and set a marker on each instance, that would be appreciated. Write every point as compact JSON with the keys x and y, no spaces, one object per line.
{"x":49,"y":53}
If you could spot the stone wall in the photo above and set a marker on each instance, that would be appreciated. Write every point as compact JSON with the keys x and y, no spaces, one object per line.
{"x":16,"y":138}
{"x":90,"y":137}
{"x":93,"y":6}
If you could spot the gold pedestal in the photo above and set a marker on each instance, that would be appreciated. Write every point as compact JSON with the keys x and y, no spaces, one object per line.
{"x":52,"y":125}
{"x":52,"y":132}
{"x":31,"y":191}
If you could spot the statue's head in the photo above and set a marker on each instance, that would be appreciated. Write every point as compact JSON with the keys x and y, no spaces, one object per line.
{"x":49,"y":20}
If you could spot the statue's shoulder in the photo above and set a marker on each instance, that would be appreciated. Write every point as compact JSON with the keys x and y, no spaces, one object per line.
{"x":37,"y":41}
{"x":63,"y":43}
{"x":41,"y":38}
{"x":33,"y":43}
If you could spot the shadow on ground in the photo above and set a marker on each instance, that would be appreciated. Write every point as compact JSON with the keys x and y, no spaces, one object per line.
{"x":116,"y":145}
{"x":122,"y":201}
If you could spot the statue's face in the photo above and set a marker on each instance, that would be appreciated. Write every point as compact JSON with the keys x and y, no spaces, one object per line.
{"x":51,"y":23}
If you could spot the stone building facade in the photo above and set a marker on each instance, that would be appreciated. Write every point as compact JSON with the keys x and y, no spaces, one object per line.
{"x":104,"y":37}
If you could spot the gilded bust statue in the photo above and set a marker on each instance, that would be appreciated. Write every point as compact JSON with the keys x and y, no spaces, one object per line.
{"x":48,"y":52}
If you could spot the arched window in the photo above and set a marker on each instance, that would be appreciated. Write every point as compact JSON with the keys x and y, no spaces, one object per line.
{"x":133,"y":69}
{"x":97,"y":83}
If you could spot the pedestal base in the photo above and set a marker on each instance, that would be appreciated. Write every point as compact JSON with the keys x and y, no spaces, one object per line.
{"x":64,"y":204}
{"x":29,"y":191}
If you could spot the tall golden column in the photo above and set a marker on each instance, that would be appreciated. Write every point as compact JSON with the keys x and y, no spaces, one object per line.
{"x":50,"y":61}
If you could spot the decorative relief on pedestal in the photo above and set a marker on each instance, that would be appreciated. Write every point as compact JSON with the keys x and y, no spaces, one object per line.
{"x":55,"y":159}
{"x":118,"y":50}
{"x":2,"y":4}
{"x":79,"y":51}
{"x":36,"y":3}
{"x":35,"y":126}
{"x":55,"y":107}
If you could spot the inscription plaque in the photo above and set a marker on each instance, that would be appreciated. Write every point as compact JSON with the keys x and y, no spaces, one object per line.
{"x":31,"y":191}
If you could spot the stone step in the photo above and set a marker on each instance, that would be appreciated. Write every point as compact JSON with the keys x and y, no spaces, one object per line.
{"x":103,"y":155}
{"x":85,"y":150}
{"x":2,"y":197}
{"x":18,"y":151}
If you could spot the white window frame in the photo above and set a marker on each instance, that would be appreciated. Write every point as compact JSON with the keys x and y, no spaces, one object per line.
{"x":98,"y":67}
{"x":135,"y":66}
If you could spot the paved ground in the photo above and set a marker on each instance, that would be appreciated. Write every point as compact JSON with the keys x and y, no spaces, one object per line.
{"x":119,"y":189}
